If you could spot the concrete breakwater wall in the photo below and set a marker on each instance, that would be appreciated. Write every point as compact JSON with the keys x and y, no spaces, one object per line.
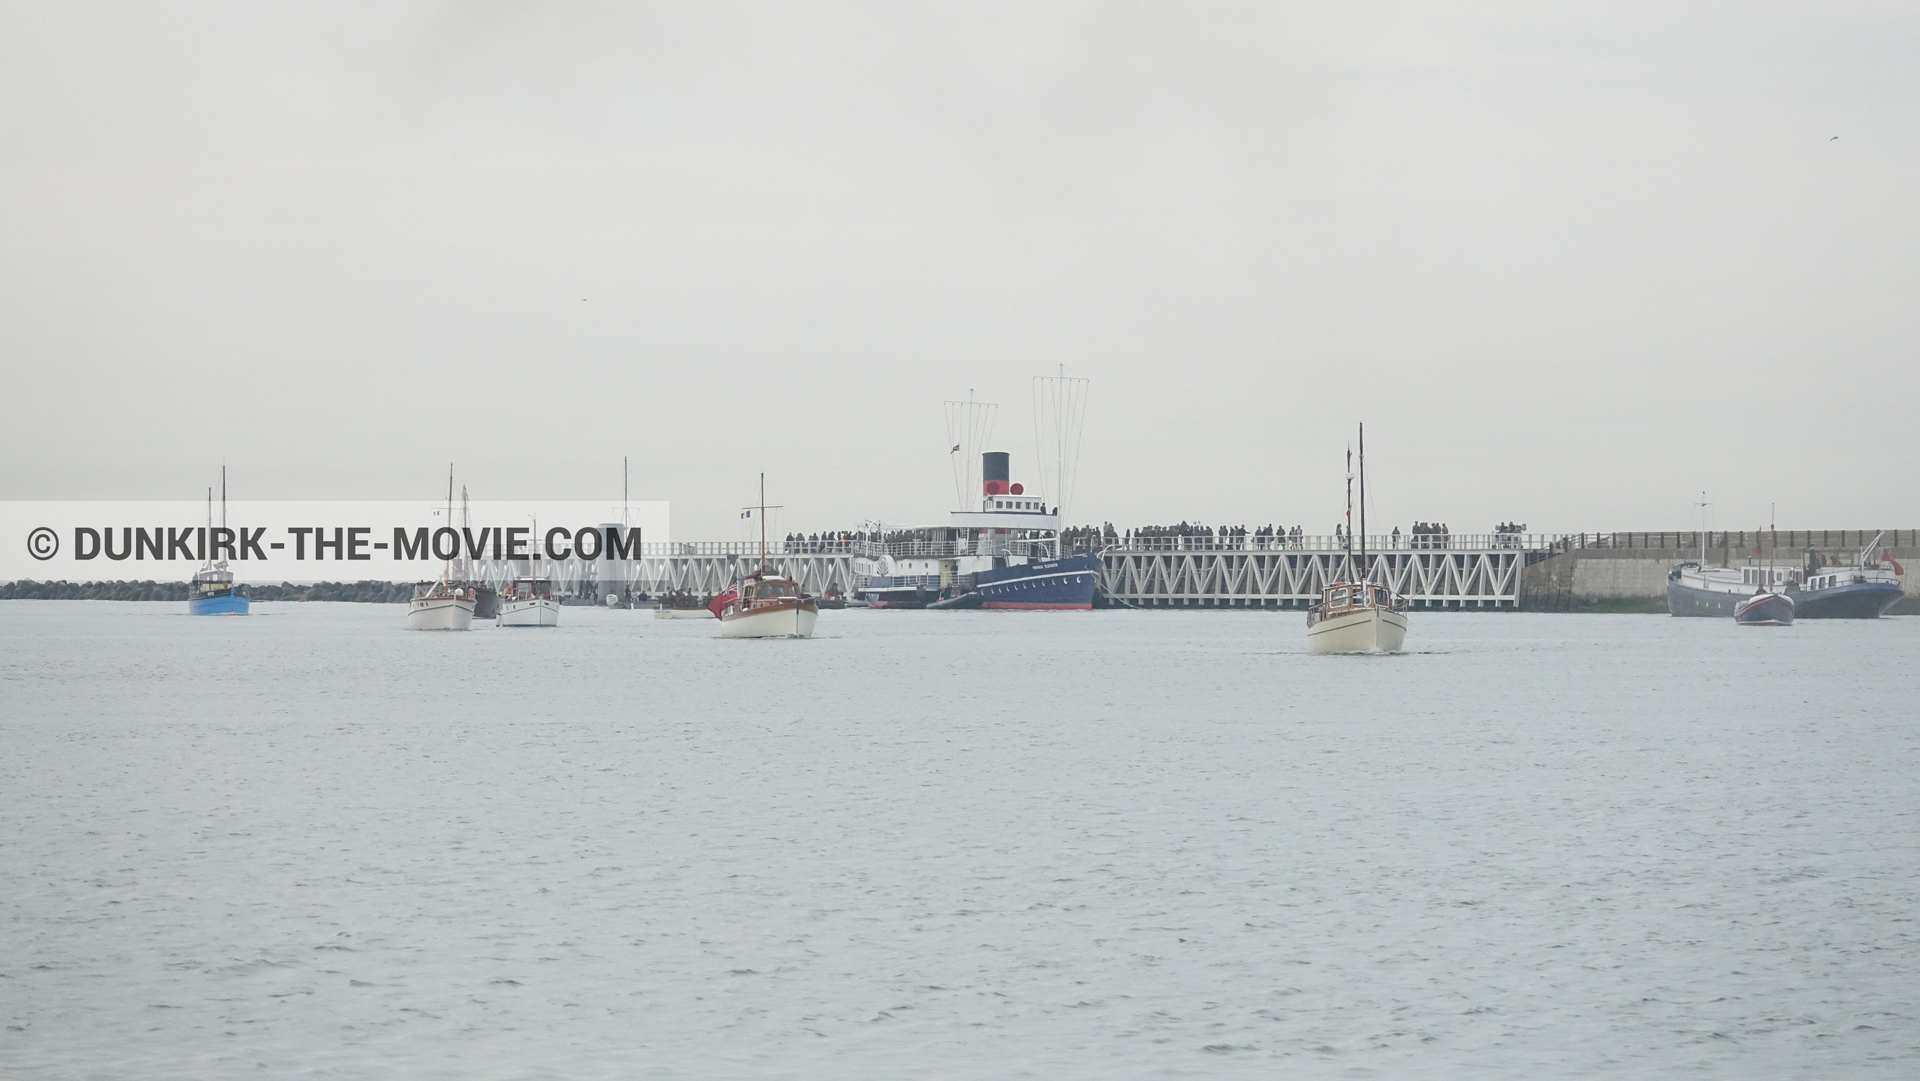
{"x":1627,"y":567}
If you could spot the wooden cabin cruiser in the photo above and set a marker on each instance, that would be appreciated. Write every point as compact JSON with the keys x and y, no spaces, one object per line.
{"x":765,"y":605}
{"x":1357,"y":615}
{"x":528,"y":602}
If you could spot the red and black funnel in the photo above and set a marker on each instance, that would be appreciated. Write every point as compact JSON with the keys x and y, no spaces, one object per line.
{"x":994,"y":472}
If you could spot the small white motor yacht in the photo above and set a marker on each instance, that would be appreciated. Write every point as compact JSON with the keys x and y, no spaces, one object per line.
{"x":441,"y":606}
{"x":1354,"y":617}
{"x":529,"y":602}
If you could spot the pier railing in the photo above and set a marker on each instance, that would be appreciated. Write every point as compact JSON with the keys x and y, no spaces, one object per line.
{"x":1317,"y":542}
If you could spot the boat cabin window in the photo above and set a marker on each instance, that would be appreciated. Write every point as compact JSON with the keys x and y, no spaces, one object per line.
{"x":1337,"y":598}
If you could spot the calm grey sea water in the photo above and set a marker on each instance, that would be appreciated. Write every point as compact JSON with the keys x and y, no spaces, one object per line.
{"x":310,"y":844}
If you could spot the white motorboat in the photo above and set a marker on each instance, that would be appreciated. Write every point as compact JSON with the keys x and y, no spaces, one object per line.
{"x":1357,"y":615}
{"x":1356,"y":618}
{"x":441,"y":606}
{"x":765,"y":604}
{"x":446,"y":604}
{"x":664,"y":612}
{"x":529,"y":602}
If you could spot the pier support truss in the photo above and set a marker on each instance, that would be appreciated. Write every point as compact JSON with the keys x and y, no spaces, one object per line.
{"x":695,"y":568}
{"x":1482,"y":578}
{"x":1477,"y":572}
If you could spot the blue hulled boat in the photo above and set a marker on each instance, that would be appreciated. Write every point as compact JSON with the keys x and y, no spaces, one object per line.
{"x":1863,"y":588}
{"x":212,"y":591}
{"x":1051,"y":583}
{"x":1004,"y":555}
{"x":213,"y":594}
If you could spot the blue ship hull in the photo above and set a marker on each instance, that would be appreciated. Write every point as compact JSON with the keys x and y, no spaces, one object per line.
{"x":1865,"y":600}
{"x":1065,"y":584}
{"x":223,"y":604}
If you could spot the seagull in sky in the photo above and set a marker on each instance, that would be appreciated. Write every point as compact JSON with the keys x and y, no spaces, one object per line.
{"x":1831,"y":140}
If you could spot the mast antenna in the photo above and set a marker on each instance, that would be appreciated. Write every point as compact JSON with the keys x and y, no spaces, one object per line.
{"x":1703,"y":505}
{"x":1347,"y":540}
{"x":1365,"y":575}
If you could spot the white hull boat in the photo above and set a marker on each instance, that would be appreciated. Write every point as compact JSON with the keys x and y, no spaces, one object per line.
{"x":765,"y":604}
{"x":682,"y":613}
{"x":529,"y":612}
{"x":1359,"y":630}
{"x":1357,"y":615}
{"x":773,"y":621}
{"x":440,"y":613}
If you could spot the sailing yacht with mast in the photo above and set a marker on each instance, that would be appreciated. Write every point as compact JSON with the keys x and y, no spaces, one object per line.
{"x":1354,"y":614}
{"x":445,"y":605}
{"x":765,"y":604}
{"x":212,"y":592}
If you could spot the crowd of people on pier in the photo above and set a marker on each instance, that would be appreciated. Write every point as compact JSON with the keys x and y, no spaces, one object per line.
{"x":829,"y":542}
{"x":1076,"y":540}
{"x":1082,"y":540}
{"x":1188,"y":537}
{"x":900,"y":541}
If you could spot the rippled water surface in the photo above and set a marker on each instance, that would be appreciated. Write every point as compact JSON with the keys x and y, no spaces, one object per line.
{"x":1046,"y":845}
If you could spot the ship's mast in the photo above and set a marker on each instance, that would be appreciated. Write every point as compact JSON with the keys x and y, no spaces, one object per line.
{"x":1773,"y":542}
{"x":1364,"y":576}
{"x":763,"y":523}
{"x":446,"y":573}
{"x":1347,"y":540}
{"x":1703,"y":505}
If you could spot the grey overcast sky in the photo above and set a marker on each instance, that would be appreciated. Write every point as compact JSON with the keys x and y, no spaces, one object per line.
{"x":1572,"y":263}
